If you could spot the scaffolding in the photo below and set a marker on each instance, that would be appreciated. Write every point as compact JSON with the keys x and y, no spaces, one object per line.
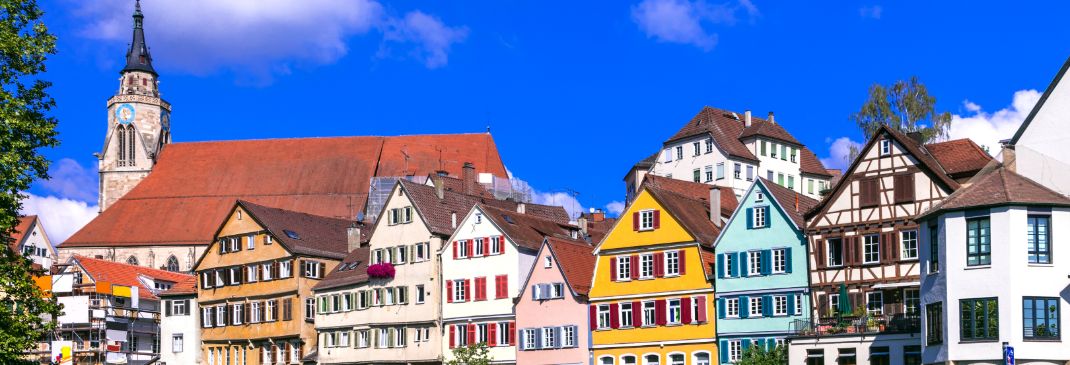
{"x":502,"y":188}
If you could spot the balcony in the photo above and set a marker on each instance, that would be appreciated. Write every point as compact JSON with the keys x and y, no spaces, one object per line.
{"x":864,"y":325}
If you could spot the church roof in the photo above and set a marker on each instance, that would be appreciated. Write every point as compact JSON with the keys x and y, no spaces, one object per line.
{"x":138,"y":57}
{"x":194,"y":184}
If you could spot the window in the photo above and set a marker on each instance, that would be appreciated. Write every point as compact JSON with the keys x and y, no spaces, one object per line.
{"x":401,"y":255}
{"x":421,"y":252}
{"x":270,"y":311}
{"x":791,"y":182}
{"x":236,"y":313}
{"x":624,"y":268}
{"x":772,"y":151}
{"x":603,"y":316}
{"x":179,"y":308}
{"x":979,"y":319}
{"x":815,"y":357}
{"x":679,"y":152}
{"x":750,"y":173}
{"x":568,"y":336}
{"x":477,"y":248}
{"x":651,"y":359}
{"x":548,"y":262}
{"x":720,"y":170}
{"x":172,"y":262}
{"x":780,"y":260}
{"x":399,"y":336}
{"x":384,"y":338}
{"x":267,"y":271}
{"x":251,"y":272}
{"x":628,"y":360}
{"x":875,"y":303}
{"x":730,"y":264}
{"x":696,"y":175}
{"x":648,"y":314}
{"x":769,"y":175}
{"x":420,"y":294}
{"x":755,"y":306}
{"x":934,"y":323}
{"x":399,"y":216}
{"x":362,"y":338}
{"x":176,"y":343}
{"x":754,"y":263}
{"x":462,"y":248}
{"x":978,"y":246}
{"x":646,"y":266}
{"x":285,"y":269}
{"x":558,"y":290}
{"x":1040,"y":318}
{"x":646,"y":220}
{"x":735,"y":350}
{"x":783,"y":152}
{"x":676,"y":359}
{"x":908,"y":242}
{"x":674,"y":311}
{"x":848,"y":356}
{"x":530,"y":339}
{"x":235,"y":275}
{"x":312,"y":269}
{"x":496,"y":245}
{"x":809,"y":186}
{"x":672,"y":263}
{"x":798,"y":304}
{"x":505,"y":331}
{"x":834,"y":303}
{"x":701,"y":358}
{"x":731,"y":307}
{"x":220,"y":316}
{"x":709,"y":145}
{"x":760,"y":217}
{"x":780,"y":179}
{"x":698,"y":148}
{"x":780,"y":305}
{"x":737,"y":172}
{"x":886,"y":147}
{"x":310,"y":309}
{"x":709,"y":173}
{"x":1037,"y":239}
{"x":794,"y":153}
{"x":763,"y":148}
{"x":131,"y":260}
{"x":549,"y":341}
{"x":626,"y":315}
{"x":871,"y":249}
{"x":934,"y":249}
{"x":911,"y":302}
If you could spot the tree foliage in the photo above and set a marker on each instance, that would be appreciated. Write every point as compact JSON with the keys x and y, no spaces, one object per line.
{"x":25,"y":127}
{"x":477,"y":354}
{"x":758,"y":355}
{"x":905,"y":106}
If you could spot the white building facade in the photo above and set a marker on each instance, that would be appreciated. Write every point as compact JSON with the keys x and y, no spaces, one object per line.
{"x":180,"y":337}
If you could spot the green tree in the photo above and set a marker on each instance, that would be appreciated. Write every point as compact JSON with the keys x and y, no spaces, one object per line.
{"x":25,"y":127}
{"x":905,"y":106}
{"x":758,"y":355}
{"x":477,"y":354}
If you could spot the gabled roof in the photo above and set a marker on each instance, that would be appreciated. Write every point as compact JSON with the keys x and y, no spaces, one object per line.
{"x":125,"y":274}
{"x":996,"y":188}
{"x":1040,"y":103}
{"x":526,"y":230}
{"x":692,"y":212}
{"x":303,"y":233}
{"x":960,"y":157}
{"x":787,"y":200}
{"x":728,"y":133}
{"x":694,"y":190}
{"x":353,"y":270}
{"x":24,"y":227}
{"x":576,"y":261}
{"x":437,"y":213}
{"x":195,"y":183}
{"x":184,"y":287}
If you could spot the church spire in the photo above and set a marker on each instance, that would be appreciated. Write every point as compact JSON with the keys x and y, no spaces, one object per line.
{"x":137,"y":57}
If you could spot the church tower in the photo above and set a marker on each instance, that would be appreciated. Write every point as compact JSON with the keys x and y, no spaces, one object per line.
{"x":139,"y":122}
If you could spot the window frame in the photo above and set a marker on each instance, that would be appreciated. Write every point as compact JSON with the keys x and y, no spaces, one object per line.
{"x":624,"y":268}
{"x":968,"y":303}
{"x":905,"y":247}
{"x":1033,"y":250}
{"x":754,"y":263}
{"x":672,"y":263}
{"x":934,"y":323}
{"x":754,"y":307}
{"x":646,"y":266}
{"x":1026,"y":318}
{"x":778,"y":300}
{"x":982,"y":257}
{"x":829,"y":252}
{"x":626,"y":315}
{"x":778,"y":257}
{"x":875,"y":307}
{"x":674,"y":305}
{"x":885,"y":147}
{"x":649,"y":314}
{"x":871,"y":246}
{"x":602,"y":314}
{"x":731,"y":307}
{"x":646,"y":220}
{"x":760,"y":217}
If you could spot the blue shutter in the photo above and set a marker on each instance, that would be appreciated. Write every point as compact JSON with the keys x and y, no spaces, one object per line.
{"x":733,"y":270}
{"x":724,"y":352}
{"x":787,"y":260}
{"x":791,"y":304}
{"x":768,"y":217}
{"x":767,"y":306}
{"x":720,"y":266}
{"x":746,"y":344}
{"x":760,"y":343}
{"x":538,"y":338}
{"x":522,"y":340}
{"x":558,"y":336}
{"x":721,"y":311}
{"x":742,"y":264}
{"x":766,"y":260}
{"x":750,"y":218}
{"x":535,"y":292}
{"x":744,"y":307}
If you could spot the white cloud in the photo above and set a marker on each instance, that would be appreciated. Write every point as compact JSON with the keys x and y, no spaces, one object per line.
{"x":68,"y":179}
{"x":430,"y":38}
{"x":684,"y":21}
{"x":872,"y":12}
{"x":565,"y":200}
{"x":987,"y":129}
{"x":259,"y":38}
{"x":839,"y":151}
{"x":615,"y":208}
{"x":61,"y":217}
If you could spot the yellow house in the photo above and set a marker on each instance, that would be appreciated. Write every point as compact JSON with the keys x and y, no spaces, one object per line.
{"x":255,"y":283}
{"x":652,"y":296}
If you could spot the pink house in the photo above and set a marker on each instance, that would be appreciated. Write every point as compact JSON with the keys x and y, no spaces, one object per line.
{"x":551,"y":311}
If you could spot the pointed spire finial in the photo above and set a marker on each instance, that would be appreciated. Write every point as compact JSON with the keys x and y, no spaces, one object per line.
{"x":137,"y":57}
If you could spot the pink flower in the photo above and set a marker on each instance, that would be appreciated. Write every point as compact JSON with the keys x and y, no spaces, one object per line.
{"x":381,"y":270}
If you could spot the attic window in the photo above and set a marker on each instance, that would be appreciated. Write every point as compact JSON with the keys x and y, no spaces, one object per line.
{"x":508,"y":218}
{"x":291,"y":234}
{"x":479,"y":218}
{"x":886,"y":147}
{"x":759,"y":197}
{"x":239,"y":214}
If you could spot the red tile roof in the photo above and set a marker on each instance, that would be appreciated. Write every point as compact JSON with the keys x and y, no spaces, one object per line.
{"x":315,"y":235}
{"x":729,"y":133}
{"x":688,"y":202}
{"x":126,"y":275}
{"x":353,"y":270}
{"x":960,"y":157}
{"x":576,"y":260}
{"x":788,"y":198}
{"x":24,"y":226}
{"x":694,"y":190}
{"x":437,"y":213}
{"x":526,"y":230}
{"x":999,"y":187}
{"x":185,"y":287}
{"x":194,"y":184}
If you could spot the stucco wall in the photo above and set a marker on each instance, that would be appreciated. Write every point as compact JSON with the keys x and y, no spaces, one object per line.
{"x":568,"y":311}
{"x":188,"y":326}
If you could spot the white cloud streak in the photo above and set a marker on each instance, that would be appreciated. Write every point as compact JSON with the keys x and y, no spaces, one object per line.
{"x":61,"y":217}
{"x":68,"y":179}
{"x":429,"y":38}
{"x":871,"y":12}
{"x":839,"y":151}
{"x":686,"y":22}
{"x":987,"y":129}
{"x":615,"y":208}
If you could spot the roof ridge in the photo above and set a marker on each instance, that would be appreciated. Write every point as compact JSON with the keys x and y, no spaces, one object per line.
{"x":327,"y":137}
{"x":137,"y":267}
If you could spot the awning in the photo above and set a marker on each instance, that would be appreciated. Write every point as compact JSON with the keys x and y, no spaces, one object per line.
{"x":896,"y":285}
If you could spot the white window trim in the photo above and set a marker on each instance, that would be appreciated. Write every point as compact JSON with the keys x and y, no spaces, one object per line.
{"x":728,"y":304}
{"x":776,"y":309}
{"x":773,"y":260}
{"x":865,"y":249}
{"x":643,"y":220}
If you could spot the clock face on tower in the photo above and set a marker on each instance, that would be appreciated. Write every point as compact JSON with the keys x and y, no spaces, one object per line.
{"x":124,"y":114}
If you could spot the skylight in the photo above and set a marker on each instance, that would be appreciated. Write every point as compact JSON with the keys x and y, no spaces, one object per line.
{"x":291,"y":234}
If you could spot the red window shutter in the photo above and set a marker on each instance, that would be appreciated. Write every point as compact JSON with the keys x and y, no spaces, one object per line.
{"x":635,"y":266}
{"x":467,"y":289}
{"x":659,"y":264}
{"x":471,"y":334}
{"x":476,"y":294}
{"x":614,"y":316}
{"x":492,"y":334}
{"x":683,"y":261}
{"x":505,"y":286}
{"x":613,"y":269}
{"x":486,"y":246}
{"x":637,"y":314}
{"x":469,"y":244}
{"x":454,"y":254}
{"x":449,"y":293}
{"x":501,"y":244}
{"x":701,"y":315}
{"x":453,"y":336}
{"x":657,"y":219}
{"x":685,"y":310}
{"x":659,"y":312}
{"x":512,"y":333}
{"x":594,"y":316}
{"x":482,"y":288}
{"x":635,"y":221}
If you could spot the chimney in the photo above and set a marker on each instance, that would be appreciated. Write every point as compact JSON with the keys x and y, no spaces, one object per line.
{"x":469,"y":178}
{"x":353,"y":237}
{"x":771,"y":120}
{"x":598,"y":216}
{"x":715,"y":205}
{"x":746,"y":118}
{"x":440,"y":189}
{"x":521,"y":208}
{"x":1008,"y":156}
{"x":796,"y":202}
{"x":582,"y":222}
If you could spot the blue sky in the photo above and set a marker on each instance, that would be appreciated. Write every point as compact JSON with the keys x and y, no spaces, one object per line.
{"x":574,"y":92}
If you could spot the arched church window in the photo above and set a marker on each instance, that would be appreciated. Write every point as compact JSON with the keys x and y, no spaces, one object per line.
{"x":130,"y":134}
{"x":172,"y":263}
{"x":131,"y":260}
{"x":122,"y":145}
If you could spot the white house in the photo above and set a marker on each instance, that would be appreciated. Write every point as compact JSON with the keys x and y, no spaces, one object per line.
{"x":484,"y":264}
{"x":994,"y":273}
{"x":1037,"y":149}
{"x":180,"y":337}
{"x":724,"y":148}
{"x":31,"y":240}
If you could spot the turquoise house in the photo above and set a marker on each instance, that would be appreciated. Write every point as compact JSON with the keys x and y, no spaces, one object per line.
{"x":762,"y":282}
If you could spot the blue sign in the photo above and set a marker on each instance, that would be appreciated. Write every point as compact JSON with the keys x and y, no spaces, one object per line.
{"x":1008,"y":355}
